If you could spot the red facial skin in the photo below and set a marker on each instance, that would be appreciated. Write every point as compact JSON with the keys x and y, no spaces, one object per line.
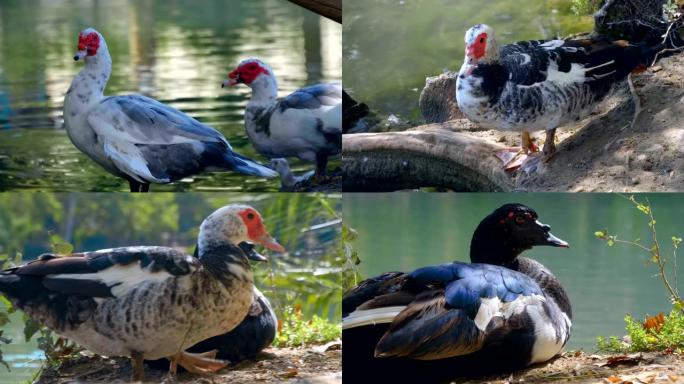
{"x":89,"y":42}
{"x":256,"y":230}
{"x":246,"y":73}
{"x":477,"y":49}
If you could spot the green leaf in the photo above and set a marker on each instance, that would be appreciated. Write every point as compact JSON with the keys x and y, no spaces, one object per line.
{"x":30,"y":328}
{"x":62,"y":248}
{"x":676,"y":241}
{"x":600,"y":234}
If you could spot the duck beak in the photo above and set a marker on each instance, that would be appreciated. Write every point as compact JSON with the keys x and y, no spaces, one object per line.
{"x":229,"y":83}
{"x":550,"y":238}
{"x":270,"y":243}
{"x":80,"y":54}
{"x":556,"y":242}
{"x":248,"y":249}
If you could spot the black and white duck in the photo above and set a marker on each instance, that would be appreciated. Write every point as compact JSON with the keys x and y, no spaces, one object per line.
{"x":306,"y":123}
{"x":500,"y":313}
{"x":147,"y":302}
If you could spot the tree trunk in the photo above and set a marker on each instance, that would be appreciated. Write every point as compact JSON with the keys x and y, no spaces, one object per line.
{"x":332,"y":9}
{"x":426,"y":156}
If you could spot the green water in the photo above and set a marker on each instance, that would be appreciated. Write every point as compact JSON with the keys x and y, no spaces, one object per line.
{"x":177,"y":52}
{"x":404,"y":231}
{"x":391,"y":46}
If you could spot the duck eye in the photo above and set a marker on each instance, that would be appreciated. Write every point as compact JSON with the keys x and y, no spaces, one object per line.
{"x":482,"y":40}
{"x":250,"y":216}
{"x":520,"y":220}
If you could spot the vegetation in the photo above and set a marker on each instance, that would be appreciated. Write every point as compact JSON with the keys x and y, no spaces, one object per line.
{"x":306,"y":278}
{"x":658,"y":332}
{"x":296,"y":331}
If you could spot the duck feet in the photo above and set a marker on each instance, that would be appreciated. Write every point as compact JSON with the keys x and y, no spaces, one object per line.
{"x":138,"y":368}
{"x":201,"y":363}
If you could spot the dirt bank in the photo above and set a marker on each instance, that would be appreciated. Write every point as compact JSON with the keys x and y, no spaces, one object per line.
{"x":580,"y":368}
{"x":318,"y":364}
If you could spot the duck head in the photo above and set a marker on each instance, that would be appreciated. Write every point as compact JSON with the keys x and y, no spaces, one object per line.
{"x":507,"y":232}
{"x":235,"y":224}
{"x":255,"y":74}
{"x":480,"y":45}
{"x":90,"y":44}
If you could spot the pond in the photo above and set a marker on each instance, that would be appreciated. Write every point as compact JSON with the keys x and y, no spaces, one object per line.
{"x":391,"y":46}
{"x":177,"y":52}
{"x":401,"y":232}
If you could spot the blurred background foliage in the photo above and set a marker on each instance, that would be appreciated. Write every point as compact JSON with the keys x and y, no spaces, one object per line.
{"x":307,"y":279}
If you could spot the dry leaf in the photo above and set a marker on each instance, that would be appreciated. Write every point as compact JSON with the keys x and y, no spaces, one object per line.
{"x":290,"y":373}
{"x":613,"y":379}
{"x":612,"y":361}
{"x":654,"y":323}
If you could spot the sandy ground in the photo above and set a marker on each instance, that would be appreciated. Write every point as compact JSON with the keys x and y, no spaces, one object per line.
{"x":579,"y":368}
{"x":311,"y":365}
{"x":603,"y":153}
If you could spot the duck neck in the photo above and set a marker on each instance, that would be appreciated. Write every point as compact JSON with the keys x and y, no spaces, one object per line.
{"x":87,"y":88}
{"x":490,"y":246}
{"x":226,"y":262}
{"x":264,"y":91}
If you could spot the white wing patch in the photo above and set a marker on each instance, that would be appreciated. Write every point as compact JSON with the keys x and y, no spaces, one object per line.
{"x":492,"y":307}
{"x":128,"y":158}
{"x":526,"y":58}
{"x":374,"y":316}
{"x":552,"y":44}
{"x":120,"y":279}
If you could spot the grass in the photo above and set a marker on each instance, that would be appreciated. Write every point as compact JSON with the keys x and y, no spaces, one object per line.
{"x":657,"y":333}
{"x":295,"y":331}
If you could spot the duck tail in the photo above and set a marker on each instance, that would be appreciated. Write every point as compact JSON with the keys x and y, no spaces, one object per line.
{"x":242,"y":164}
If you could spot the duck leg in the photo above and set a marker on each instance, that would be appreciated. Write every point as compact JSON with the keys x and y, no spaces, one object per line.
{"x":205,"y":362}
{"x":137,"y":186}
{"x":137,"y":364}
{"x":549,"y":144}
{"x":321,"y":164}
{"x":515,"y":156}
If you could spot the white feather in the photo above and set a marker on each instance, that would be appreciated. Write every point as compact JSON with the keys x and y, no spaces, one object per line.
{"x":130,"y":160}
{"x":546,"y":344}
{"x":120,"y":278}
{"x":374,"y":316}
{"x":493,"y":307}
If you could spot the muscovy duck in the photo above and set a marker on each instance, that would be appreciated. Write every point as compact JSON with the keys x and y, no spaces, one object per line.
{"x":136,"y":137}
{"x":541,"y":85}
{"x":306,"y":124}
{"x":147,"y":302}
{"x":500,"y":313}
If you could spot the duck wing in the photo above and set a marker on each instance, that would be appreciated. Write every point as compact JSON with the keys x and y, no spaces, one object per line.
{"x":312,"y":115}
{"x":598,"y":61}
{"x":153,"y":142}
{"x":443,"y":311}
{"x":61,"y":290}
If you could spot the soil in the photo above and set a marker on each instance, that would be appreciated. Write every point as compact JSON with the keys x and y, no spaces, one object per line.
{"x":310,"y":365}
{"x":580,"y":368}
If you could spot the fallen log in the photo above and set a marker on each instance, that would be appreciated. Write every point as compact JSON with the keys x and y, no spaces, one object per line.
{"x":332,"y":9}
{"x":427,"y":156}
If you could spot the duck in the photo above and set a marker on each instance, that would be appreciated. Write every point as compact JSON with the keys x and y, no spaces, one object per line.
{"x":499,"y":313}
{"x":136,"y":137}
{"x":147,"y":302}
{"x":541,"y":85}
{"x":244,"y":342}
{"x":306,"y":124}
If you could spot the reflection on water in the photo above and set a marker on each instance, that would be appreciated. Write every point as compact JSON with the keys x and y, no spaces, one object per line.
{"x":406,"y":231}
{"x":177,"y":52}
{"x":391,"y":46}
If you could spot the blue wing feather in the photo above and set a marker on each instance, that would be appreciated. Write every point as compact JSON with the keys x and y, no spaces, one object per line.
{"x":312,"y":97}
